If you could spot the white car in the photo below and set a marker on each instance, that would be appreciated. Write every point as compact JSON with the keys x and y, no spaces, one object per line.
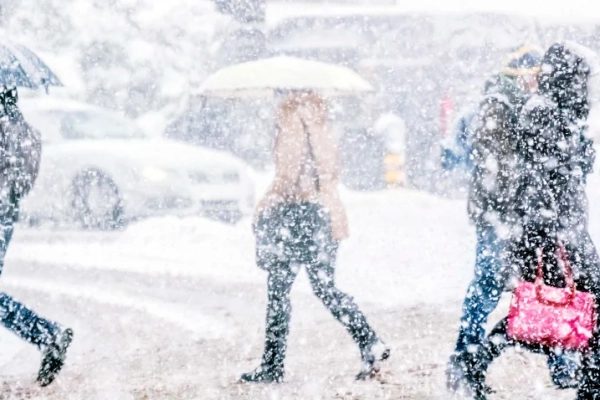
{"x":99,"y":170}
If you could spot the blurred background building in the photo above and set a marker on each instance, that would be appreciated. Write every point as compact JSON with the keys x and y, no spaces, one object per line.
{"x":146,"y":60}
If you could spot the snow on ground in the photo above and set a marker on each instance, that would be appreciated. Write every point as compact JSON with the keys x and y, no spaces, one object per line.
{"x":174,"y":308}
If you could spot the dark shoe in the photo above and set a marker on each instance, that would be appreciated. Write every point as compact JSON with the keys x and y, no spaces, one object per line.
{"x":263,"y":374}
{"x":585,"y":395}
{"x":588,"y":393}
{"x":465,"y":375}
{"x":54,"y":356}
{"x":565,"y":381}
{"x":589,"y":387}
{"x":565,"y":370}
{"x":376,"y":352}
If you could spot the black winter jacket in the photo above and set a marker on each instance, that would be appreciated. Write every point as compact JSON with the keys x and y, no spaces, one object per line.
{"x":555,"y":154}
{"x":493,"y":153}
{"x":20,"y":149}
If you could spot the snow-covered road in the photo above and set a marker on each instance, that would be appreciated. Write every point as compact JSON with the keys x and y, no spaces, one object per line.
{"x":174,"y":308}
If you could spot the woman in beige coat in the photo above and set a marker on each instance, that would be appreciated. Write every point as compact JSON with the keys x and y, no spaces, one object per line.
{"x":300,"y":222}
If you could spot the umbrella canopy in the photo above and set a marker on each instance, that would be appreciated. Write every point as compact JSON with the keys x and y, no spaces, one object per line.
{"x":20,"y":67}
{"x":262,"y":77}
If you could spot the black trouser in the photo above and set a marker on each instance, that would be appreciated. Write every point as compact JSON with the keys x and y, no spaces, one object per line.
{"x":585,"y":262}
{"x":290,"y":237}
{"x":15,"y":316}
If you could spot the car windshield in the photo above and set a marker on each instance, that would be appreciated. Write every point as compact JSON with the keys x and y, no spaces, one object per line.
{"x":97,"y":125}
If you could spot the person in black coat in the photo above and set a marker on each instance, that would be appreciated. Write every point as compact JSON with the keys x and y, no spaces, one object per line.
{"x":20,"y":155}
{"x":550,"y":205}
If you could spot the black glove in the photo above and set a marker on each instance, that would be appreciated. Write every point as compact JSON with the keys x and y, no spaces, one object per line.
{"x":8,"y":99}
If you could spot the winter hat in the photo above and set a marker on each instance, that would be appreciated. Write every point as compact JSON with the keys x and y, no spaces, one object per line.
{"x":592,"y":62}
{"x":525,"y":60}
{"x":568,"y":76}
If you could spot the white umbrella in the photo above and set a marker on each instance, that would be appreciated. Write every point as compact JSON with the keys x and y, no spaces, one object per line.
{"x":262,"y":77}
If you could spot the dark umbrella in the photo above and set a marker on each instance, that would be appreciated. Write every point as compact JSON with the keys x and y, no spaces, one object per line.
{"x":21,"y":67}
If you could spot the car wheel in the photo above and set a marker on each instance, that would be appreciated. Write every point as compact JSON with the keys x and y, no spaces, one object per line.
{"x":96,"y":201}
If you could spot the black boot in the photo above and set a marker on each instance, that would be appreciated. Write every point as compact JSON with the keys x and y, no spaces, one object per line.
{"x":466,"y":373}
{"x":589,"y":386}
{"x":565,"y":370}
{"x":588,"y":390}
{"x":371,"y":355}
{"x":54,"y":356}
{"x":271,"y":369}
{"x":264,"y":374}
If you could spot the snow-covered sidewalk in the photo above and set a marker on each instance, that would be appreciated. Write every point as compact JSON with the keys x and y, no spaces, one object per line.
{"x":405,"y":248}
{"x":174,"y":308}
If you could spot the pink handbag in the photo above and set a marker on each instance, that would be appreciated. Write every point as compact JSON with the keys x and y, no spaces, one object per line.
{"x":546,"y":315}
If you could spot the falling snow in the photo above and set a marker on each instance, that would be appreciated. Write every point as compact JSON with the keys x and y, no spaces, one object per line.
{"x":335,"y":197}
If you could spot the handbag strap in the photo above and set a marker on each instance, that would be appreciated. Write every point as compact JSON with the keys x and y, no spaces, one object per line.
{"x":568,"y":272}
{"x":311,"y":156}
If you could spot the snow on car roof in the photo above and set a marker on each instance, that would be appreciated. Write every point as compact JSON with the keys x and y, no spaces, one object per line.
{"x":52,"y":103}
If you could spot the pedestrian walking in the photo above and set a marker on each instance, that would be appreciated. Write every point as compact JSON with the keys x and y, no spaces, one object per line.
{"x":550,"y":203}
{"x":20,"y":154}
{"x":300,"y":223}
{"x":456,"y":150}
{"x":493,"y":159}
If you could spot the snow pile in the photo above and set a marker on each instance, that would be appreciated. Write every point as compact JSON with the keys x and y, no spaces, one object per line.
{"x":170,"y":245}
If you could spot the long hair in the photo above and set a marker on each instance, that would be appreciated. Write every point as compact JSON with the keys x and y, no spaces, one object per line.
{"x":311,"y":108}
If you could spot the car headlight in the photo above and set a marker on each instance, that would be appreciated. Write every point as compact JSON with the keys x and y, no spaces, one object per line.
{"x":154,"y":174}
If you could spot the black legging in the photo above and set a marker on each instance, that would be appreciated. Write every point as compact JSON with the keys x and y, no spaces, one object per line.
{"x":290,"y":237}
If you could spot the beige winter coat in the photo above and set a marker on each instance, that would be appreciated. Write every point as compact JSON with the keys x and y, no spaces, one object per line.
{"x":299,"y":118}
